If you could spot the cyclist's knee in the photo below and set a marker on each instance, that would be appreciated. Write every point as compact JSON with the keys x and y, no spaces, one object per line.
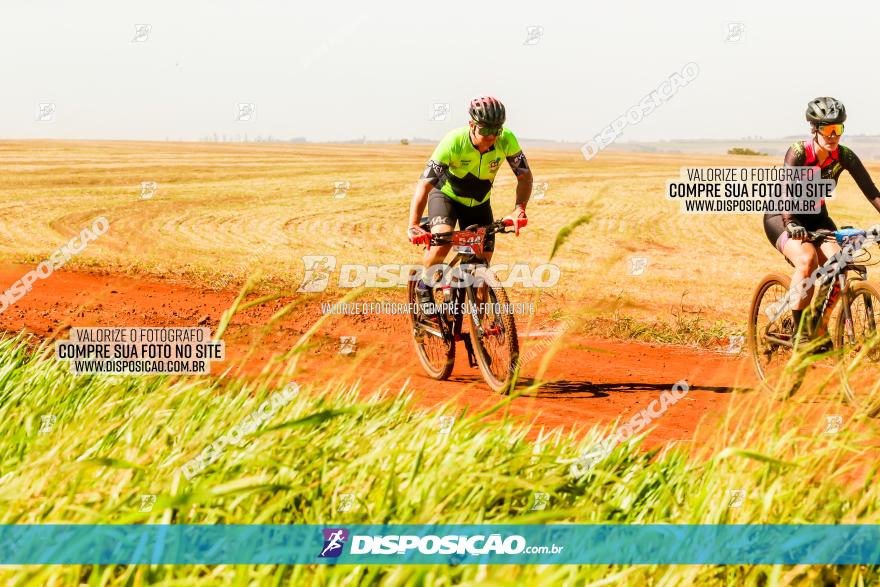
{"x":805,"y":261}
{"x":827,"y":251}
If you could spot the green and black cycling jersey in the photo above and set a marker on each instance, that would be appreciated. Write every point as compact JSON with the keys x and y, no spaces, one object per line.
{"x":802,"y":154}
{"x":465,"y":175}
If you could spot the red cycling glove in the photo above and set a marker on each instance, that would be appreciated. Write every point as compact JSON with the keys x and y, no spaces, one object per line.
{"x":517,"y":219}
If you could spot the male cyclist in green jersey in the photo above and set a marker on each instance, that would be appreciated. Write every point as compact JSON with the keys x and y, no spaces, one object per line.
{"x":457,"y":182}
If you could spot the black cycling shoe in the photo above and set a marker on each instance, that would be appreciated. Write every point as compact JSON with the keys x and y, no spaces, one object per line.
{"x":817,"y":346}
{"x":800,"y":338}
{"x":824,"y":345}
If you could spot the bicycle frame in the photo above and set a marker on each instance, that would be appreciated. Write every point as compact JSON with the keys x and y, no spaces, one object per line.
{"x":833,"y":281}
{"x":456,"y":297}
{"x":468,"y":246}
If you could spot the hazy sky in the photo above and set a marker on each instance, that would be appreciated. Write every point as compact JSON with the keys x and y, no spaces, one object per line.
{"x":339,"y":70}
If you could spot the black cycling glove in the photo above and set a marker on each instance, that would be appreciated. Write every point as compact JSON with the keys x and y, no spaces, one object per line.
{"x":796,"y":231}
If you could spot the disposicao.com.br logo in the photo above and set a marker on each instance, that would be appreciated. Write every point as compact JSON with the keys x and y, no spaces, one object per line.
{"x":432,"y":544}
{"x":334,"y":541}
{"x":320,"y":268}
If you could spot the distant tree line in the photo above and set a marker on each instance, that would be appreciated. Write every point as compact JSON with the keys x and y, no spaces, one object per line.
{"x":239,"y":138}
{"x":743,"y":151}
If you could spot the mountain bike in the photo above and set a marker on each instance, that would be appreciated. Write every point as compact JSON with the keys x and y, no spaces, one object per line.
{"x":781,"y":360}
{"x":466,"y":285}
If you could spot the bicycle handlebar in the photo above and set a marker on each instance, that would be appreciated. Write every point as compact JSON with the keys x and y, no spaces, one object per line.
{"x":445,"y":238}
{"x":823,"y":234}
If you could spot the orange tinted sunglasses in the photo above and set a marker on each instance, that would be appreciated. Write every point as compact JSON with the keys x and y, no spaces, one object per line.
{"x":828,"y":130}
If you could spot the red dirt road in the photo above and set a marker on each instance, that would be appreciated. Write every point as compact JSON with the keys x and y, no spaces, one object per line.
{"x":588,"y":381}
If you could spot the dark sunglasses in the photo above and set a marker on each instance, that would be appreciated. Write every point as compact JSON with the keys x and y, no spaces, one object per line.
{"x":489,"y":131}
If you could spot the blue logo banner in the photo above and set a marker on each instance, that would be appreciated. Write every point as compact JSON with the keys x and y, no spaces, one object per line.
{"x":439,"y":544}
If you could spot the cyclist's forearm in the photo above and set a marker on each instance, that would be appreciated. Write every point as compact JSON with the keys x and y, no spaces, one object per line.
{"x":523,"y":188}
{"x":419,"y":200}
{"x":864,"y":181}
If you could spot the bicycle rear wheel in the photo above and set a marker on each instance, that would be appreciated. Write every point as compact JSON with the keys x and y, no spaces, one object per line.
{"x":775,"y":364}
{"x":858,"y":342}
{"x":432,"y":337}
{"x":493,"y":331}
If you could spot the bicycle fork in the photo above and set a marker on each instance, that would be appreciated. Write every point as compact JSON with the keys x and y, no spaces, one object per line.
{"x":462,"y":293}
{"x":829,"y":291}
{"x":870,"y":324}
{"x":468,"y":345}
{"x":458,"y":296}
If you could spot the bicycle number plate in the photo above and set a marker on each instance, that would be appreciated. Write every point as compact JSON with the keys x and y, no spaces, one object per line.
{"x":468,"y":243}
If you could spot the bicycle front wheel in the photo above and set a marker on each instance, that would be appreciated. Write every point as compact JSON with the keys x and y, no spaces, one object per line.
{"x":770,"y":337}
{"x":858,"y":342}
{"x":433,"y":340}
{"x":493,"y":331}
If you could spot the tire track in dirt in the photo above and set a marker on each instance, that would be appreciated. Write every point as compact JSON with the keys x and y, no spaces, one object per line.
{"x":588,"y":381}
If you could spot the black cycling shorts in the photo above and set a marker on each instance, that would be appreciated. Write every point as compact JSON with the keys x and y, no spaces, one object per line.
{"x":778,"y":236}
{"x":444,"y":210}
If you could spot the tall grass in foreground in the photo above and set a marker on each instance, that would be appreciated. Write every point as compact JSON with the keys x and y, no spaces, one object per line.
{"x":117,"y":438}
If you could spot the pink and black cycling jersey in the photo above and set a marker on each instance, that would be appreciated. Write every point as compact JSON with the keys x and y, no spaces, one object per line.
{"x":802,"y":154}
